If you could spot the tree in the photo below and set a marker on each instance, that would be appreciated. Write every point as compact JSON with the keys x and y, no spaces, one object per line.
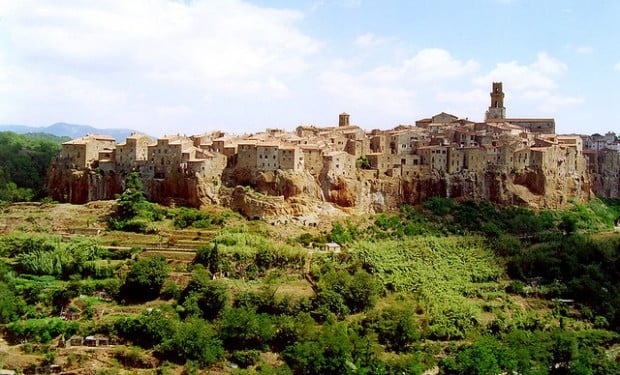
{"x":145,"y":279}
{"x":147,"y":330}
{"x":209,"y":257}
{"x":11,"y":306}
{"x":244,"y":328}
{"x":194,"y":340}
{"x":330,"y":353}
{"x":204,"y":297}
{"x":132,"y":200}
{"x":484,"y":357}
{"x":396,"y":327}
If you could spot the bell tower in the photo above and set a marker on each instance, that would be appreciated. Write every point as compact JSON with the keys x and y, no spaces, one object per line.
{"x":496,"y":109}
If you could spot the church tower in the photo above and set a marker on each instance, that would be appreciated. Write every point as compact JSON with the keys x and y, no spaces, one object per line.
{"x":343,"y":119}
{"x":497,"y":109}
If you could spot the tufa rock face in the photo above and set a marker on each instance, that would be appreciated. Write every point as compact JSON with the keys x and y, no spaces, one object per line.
{"x":73,"y":186}
{"x":287,"y":195}
{"x":607,"y":178}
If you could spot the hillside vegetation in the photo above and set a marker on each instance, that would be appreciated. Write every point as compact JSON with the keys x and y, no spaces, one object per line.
{"x":449,"y":287}
{"x":23,"y":164}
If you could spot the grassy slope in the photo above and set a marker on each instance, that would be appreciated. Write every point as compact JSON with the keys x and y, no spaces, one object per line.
{"x":444,"y":278}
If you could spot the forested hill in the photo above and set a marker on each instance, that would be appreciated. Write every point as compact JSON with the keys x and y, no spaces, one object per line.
{"x":24,"y":159}
{"x":72,"y":131}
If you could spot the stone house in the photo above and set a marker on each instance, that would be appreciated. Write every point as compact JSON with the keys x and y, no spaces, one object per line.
{"x":132,"y":151}
{"x":291,"y":157}
{"x":521,"y":159}
{"x":246,"y":154}
{"x":378,"y":143}
{"x":357,"y":147}
{"x":339,"y":163}
{"x":165,"y":157}
{"x":410,"y":165}
{"x":313,"y":158}
{"x":307,"y":131}
{"x":267,"y":156}
{"x":337,"y":141}
{"x":474,"y":159}
{"x":435,"y":157}
{"x":535,"y":125}
{"x":404,"y":141}
{"x":207,"y":165}
{"x":456,"y":159}
{"x":438,"y":121}
{"x":380,"y":162}
{"x":81,"y":153}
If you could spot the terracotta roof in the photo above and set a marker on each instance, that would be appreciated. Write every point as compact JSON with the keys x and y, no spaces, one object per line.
{"x":90,"y":137}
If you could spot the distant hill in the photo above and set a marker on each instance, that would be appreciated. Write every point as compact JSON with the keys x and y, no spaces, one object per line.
{"x":69,"y":130}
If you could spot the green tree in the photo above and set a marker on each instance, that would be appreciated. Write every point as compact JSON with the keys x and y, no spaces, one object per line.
{"x":329,"y":353}
{"x":204,"y":297}
{"x":11,"y":306}
{"x":132,"y":200}
{"x":194,"y":340}
{"x":486,"y":356}
{"x":243,"y":328}
{"x":24,"y":160}
{"x":396,"y":327}
{"x":149,"y":329}
{"x":145,"y":279}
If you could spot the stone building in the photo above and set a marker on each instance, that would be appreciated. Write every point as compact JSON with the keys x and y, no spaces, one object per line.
{"x":339,"y":163}
{"x":81,"y":153}
{"x":134,"y":150}
{"x":439,"y":151}
{"x":166,"y":155}
{"x":313,"y":158}
{"x":291,"y":157}
{"x":267,"y":156}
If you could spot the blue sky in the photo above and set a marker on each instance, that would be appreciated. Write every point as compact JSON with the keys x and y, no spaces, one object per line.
{"x":168,"y":66}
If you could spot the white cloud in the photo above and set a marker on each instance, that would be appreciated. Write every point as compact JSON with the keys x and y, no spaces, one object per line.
{"x":369,"y":40}
{"x":433,"y":64}
{"x":533,"y":82}
{"x":146,"y":48}
{"x":548,"y":65}
{"x":584,"y":50}
{"x":397,"y":90}
{"x":617,"y":67}
{"x":524,"y":77}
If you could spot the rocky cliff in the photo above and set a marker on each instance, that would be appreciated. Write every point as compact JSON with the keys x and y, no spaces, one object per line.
{"x":284,"y":196}
{"x":73,"y":186}
{"x":606,"y":180}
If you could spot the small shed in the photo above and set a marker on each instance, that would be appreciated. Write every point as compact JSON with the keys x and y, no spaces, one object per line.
{"x":332,"y":246}
{"x":76,"y":340}
{"x":93,"y":341}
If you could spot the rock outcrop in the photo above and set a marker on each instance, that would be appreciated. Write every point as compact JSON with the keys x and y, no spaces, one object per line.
{"x":80,"y":186}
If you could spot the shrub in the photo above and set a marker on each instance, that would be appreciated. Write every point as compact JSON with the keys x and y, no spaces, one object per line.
{"x":40,"y":330}
{"x":145,"y":279}
{"x":245,"y":358}
{"x":194,"y":340}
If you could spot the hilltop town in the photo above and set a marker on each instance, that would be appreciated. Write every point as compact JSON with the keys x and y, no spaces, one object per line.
{"x":279,"y":175}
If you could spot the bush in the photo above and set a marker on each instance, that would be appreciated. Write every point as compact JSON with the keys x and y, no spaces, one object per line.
{"x":190,"y":217}
{"x":145,"y":279}
{"x":396,"y":327}
{"x":194,"y":340}
{"x":245,"y":358}
{"x":40,"y":330}
{"x":205,"y":298}
{"x":147,"y":330}
{"x":243,"y":328}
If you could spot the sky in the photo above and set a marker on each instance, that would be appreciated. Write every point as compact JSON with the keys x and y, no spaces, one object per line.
{"x":193,"y":66}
